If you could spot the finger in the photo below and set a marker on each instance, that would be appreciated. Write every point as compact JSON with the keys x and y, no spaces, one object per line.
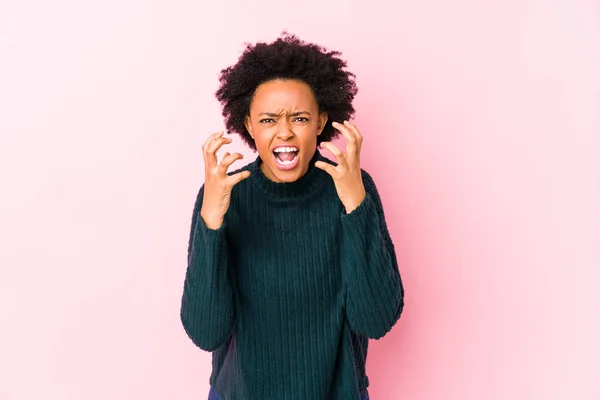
{"x":215,"y":145}
{"x":349,"y":135}
{"x":355,"y":150}
{"x":330,"y":169}
{"x":355,"y":130}
{"x":229,"y":159}
{"x":339,"y":156}
{"x":210,"y":160}
{"x":209,"y":140}
{"x":240,"y":176}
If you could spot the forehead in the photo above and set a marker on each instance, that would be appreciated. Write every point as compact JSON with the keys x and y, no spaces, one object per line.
{"x":283,"y":94}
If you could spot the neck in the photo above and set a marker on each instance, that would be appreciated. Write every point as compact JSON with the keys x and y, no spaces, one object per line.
{"x":308,"y":183}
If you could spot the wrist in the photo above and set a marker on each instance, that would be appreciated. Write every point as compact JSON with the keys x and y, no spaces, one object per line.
{"x":211,"y":220}
{"x":354,"y":203}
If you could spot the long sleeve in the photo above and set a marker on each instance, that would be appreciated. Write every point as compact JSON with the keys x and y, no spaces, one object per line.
{"x":374,"y":290}
{"x":207,"y":309}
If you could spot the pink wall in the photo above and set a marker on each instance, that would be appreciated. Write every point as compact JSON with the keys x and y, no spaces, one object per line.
{"x":482,"y":129}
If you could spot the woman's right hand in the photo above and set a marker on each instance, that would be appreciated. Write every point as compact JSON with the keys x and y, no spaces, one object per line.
{"x":217,"y":184}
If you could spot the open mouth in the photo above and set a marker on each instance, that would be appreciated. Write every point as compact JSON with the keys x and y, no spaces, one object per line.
{"x":286,"y":157}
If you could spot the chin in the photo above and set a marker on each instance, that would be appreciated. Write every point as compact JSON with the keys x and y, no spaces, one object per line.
{"x":287,"y":176}
{"x":276,"y":174}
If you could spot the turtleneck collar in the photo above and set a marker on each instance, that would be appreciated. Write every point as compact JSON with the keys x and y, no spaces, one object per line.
{"x":311,"y":181}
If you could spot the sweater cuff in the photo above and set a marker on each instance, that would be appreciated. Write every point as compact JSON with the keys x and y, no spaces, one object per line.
{"x":206,"y":238}
{"x":361,"y":214}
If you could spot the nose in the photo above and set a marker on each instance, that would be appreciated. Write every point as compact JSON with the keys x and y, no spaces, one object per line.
{"x":285,"y":131}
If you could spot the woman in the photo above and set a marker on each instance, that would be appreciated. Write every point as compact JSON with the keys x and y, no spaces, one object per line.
{"x":291,"y":268}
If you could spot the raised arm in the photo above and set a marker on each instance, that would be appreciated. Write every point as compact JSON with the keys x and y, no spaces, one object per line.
{"x":207,"y":309}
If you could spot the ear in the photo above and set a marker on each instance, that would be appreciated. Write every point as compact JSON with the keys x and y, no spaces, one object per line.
{"x":248,"y":125}
{"x":323,"y":116}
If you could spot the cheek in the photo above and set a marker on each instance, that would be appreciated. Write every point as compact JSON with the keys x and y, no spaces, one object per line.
{"x":312,"y":132}
{"x":262,"y":138}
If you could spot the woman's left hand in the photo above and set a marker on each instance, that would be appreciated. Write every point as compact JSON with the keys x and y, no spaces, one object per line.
{"x":346,"y":175}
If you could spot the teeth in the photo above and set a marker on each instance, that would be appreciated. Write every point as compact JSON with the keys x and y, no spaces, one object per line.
{"x":285,"y":149}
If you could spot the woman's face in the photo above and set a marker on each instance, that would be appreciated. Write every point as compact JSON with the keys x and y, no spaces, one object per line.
{"x":284,"y":122}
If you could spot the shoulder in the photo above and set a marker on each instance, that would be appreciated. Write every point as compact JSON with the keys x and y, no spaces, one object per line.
{"x":366,"y":176}
{"x":368,"y":181}
{"x":371,"y":190}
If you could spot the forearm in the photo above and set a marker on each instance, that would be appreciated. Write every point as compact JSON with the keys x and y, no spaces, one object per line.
{"x":374,"y":292}
{"x":207,"y":310}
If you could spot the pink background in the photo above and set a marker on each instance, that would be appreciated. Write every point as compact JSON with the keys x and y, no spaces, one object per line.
{"x":482,"y":130}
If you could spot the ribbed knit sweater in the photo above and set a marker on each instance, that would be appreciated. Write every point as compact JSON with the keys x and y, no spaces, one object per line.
{"x":287,"y":292}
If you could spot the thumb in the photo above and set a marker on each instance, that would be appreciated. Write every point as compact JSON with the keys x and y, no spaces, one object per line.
{"x":240,"y":176}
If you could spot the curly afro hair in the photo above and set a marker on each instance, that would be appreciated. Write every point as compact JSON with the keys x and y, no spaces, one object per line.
{"x":287,"y":58}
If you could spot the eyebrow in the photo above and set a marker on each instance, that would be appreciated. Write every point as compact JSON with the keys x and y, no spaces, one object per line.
{"x":297,"y":113}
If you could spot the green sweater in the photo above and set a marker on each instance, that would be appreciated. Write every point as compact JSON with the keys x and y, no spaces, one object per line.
{"x":287,"y":292}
